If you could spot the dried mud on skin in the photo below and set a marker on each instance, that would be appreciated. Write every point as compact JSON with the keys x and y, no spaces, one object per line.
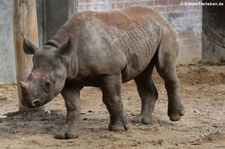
{"x":203,"y":126}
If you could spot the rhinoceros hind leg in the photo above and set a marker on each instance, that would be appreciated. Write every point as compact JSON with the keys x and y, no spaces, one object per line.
{"x":111,"y":89}
{"x":166,"y":67}
{"x":148,"y":94}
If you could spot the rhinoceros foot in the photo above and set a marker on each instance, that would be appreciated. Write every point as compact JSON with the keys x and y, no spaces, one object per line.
{"x":120,"y":124}
{"x":66,"y":133}
{"x":142,"y":119}
{"x":176,"y":112}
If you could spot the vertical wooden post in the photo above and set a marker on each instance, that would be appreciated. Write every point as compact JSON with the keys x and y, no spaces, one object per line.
{"x":25,"y":21}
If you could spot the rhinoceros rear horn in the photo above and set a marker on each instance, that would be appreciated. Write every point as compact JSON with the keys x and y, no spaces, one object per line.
{"x":64,"y":49}
{"x":24,"y":85}
{"x":28,"y":46}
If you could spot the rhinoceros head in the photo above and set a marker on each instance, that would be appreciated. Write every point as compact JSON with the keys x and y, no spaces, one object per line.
{"x":48,"y":74}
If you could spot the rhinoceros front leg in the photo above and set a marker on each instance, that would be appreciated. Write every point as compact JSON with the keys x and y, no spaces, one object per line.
{"x":72,"y":102}
{"x":111,"y":89}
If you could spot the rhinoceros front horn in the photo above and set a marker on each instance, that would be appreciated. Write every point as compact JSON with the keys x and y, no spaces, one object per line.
{"x":24,"y":85}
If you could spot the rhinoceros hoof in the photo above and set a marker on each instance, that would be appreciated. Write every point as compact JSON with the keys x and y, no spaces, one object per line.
{"x":142,"y":119}
{"x":175,"y":114}
{"x":66,"y":133}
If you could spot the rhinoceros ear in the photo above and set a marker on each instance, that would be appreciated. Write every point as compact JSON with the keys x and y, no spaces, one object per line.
{"x":64,"y":49}
{"x":28,"y":46}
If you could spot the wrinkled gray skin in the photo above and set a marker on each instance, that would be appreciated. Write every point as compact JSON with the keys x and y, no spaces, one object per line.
{"x":104,"y":50}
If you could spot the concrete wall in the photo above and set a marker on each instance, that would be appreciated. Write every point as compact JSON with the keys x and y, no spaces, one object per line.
{"x":7,"y":59}
{"x":187,"y":20}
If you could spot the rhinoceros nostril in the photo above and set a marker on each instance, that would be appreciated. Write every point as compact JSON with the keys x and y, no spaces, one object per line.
{"x":36,"y":102}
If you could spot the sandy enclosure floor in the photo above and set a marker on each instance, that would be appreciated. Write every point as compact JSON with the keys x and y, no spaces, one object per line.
{"x":203,"y":126}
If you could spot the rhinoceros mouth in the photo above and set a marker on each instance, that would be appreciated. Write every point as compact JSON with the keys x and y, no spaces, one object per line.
{"x":33,"y":103}
{"x":25,"y":104}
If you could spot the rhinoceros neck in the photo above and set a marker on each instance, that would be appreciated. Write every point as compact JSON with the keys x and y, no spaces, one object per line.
{"x":63,"y":33}
{"x":52,"y":43}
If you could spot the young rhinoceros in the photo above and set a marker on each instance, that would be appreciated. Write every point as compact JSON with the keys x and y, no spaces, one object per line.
{"x":105,"y":49}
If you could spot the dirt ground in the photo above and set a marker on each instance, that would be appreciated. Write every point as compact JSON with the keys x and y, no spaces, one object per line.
{"x":203,"y":126}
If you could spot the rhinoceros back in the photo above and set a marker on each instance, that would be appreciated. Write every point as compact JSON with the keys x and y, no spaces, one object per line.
{"x":110,"y":37}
